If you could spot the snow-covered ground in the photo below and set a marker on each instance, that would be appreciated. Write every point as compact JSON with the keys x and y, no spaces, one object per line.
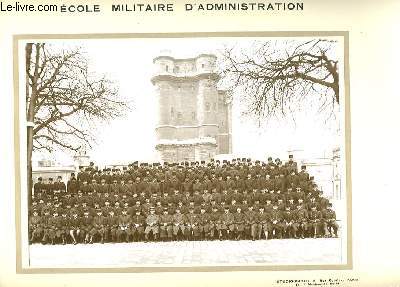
{"x":272,"y":252}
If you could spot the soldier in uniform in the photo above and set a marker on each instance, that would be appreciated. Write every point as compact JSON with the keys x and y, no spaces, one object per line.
{"x":204,"y":224}
{"x":98,"y":227}
{"x":240,"y":219}
{"x":289,"y":228}
{"x":276,"y":222}
{"x":226,"y":228}
{"x":165,"y":225}
{"x":86,"y":226}
{"x":251,"y":223}
{"x":329,"y":216}
{"x":300,"y":220}
{"x":138,"y":223}
{"x":38,"y":187}
{"x":192,"y":228}
{"x":111,"y":226}
{"x":178,"y":220}
{"x":74,"y":227}
{"x":124,"y":222}
{"x":59,"y":186}
{"x":263,"y":220}
{"x":35,"y":229}
{"x":152,"y":221}
{"x":314,"y":222}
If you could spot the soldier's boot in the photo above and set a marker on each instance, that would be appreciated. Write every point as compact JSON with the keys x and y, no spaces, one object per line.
{"x":91,"y":239}
{"x":315,"y":232}
{"x":63,"y":239}
{"x":266,"y":235}
{"x":71,"y":233}
{"x":102,"y":239}
{"x":326,"y":232}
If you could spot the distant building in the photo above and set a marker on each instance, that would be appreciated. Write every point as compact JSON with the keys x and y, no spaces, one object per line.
{"x":49,"y":169}
{"x":326,"y":171}
{"x":194,"y":117}
{"x":81,"y":158}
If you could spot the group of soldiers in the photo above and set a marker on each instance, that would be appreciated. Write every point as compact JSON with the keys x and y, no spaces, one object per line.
{"x":228,"y":200}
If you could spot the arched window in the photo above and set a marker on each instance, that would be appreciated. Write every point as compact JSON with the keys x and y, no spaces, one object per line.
{"x":166,"y":68}
{"x":172,"y":112}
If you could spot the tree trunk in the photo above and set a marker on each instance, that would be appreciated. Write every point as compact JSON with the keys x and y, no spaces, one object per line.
{"x":29,"y":118}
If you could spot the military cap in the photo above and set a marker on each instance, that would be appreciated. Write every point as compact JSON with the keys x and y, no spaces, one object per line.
{"x":40,"y":178}
{"x":312,"y":177}
{"x":203,"y":161}
{"x":269,"y":158}
{"x":249,"y":160}
{"x":135,"y":162}
{"x":303,"y":166}
{"x":50,"y":178}
{"x":290,"y":156}
{"x":124,"y":168}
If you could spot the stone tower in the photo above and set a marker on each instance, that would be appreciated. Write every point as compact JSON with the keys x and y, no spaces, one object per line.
{"x":194,"y":117}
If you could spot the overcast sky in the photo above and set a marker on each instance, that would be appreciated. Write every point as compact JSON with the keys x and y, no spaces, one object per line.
{"x":128,"y":62}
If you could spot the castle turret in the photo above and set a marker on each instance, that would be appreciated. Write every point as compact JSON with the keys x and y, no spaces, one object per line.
{"x":194,"y":117}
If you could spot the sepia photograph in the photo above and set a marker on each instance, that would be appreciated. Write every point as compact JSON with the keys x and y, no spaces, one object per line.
{"x":171,"y":152}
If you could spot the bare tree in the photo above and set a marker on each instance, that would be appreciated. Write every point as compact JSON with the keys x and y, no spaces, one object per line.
{"x":275,"y":77}
{"x":64,"y":99}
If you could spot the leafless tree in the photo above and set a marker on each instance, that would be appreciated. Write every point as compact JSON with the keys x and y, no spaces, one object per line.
{"x":274,"y":78}
{"x":64,"y":99}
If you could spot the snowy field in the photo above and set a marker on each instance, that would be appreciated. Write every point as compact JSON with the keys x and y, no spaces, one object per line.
{"x":319,"y":251}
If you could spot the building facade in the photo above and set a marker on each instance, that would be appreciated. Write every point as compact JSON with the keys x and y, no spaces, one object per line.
{"x":326,"y":171}
{"x":194,"y":117}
